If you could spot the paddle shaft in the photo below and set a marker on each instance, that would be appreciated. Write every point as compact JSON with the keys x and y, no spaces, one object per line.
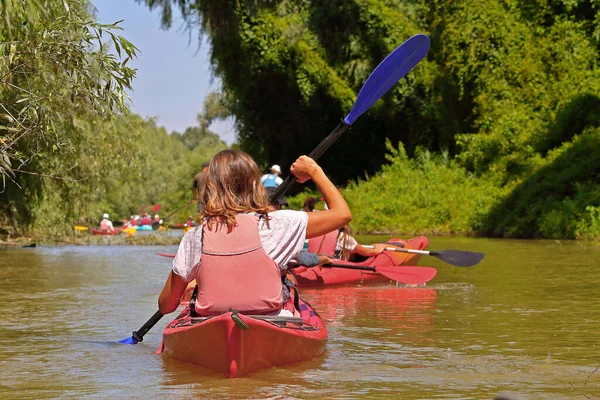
{"x":315,"y":154}
{"x":139,"y":334}
{"x":346,"y":266}
{"x":401,"y":250}
{"x":155,"y":225}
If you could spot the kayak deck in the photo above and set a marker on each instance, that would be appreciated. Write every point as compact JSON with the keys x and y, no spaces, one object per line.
{"x":222,"y":345}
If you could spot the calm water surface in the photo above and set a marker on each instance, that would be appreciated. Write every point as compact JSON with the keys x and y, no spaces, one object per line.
{"x":523,"y":322}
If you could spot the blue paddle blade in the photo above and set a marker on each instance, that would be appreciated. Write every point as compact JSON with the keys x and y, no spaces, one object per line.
{"x":388,"y":72}
{"x":129,"y":340}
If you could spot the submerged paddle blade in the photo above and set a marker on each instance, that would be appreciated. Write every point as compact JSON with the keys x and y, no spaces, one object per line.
{"x":458,"y":258}
{"x":408,"y":275}
{"x":138,"y":336}
{"x":129,"y":340}
{"x":388,"y":72}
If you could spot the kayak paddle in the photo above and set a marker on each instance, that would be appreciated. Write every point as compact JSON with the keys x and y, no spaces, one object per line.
{"x":406,"y":275}
{"x":397,"y":64}
{"x":138,"y":336}
{"x":457,"y":258}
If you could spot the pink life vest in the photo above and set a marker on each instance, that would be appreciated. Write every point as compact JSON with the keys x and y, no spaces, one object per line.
{"x":235,"y":272}
{"x":324,"y":245}
{"x":103,"y":225}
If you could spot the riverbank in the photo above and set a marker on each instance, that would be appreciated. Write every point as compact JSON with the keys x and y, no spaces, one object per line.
{"x":163,"y":238}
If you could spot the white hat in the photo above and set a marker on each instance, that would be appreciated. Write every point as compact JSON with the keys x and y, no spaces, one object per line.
{"x":105,"y":216}
{"x":275,"y":168}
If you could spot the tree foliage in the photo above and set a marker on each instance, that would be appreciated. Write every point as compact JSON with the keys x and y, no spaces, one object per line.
{"x":54,"y":60}
{"x":506,"y":86}
{"x":69,"y":148}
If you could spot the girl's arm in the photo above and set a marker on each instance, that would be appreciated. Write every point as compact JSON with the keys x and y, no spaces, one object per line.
{"x":368,"y":252}
{"x":169,"y":298}
{"x":338,"y":215}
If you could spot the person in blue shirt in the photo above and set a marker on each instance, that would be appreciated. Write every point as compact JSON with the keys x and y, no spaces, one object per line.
{"x":272,"y":179}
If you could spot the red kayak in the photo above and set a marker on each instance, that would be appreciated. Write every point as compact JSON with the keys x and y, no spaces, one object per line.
{"x":177,"y":226}
{"x":237,"y":344}
{"x":101,"y":232}
{"x":311,"y":277}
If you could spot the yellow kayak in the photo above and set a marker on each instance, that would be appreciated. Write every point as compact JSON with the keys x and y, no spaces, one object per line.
{"x":80,"y":228}
{"x":130,"y":231}
{"x":187,"y":228}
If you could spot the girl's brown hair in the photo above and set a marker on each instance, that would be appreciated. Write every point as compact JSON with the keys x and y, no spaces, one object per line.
{"x":231,"y":186}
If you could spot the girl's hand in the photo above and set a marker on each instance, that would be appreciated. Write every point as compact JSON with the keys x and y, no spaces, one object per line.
{"x":304,"y":168}
{"x":379,"y":248}
{"x":324,"y":260}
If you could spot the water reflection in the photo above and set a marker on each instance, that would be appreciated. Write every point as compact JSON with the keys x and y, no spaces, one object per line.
{"x":409,"y":311}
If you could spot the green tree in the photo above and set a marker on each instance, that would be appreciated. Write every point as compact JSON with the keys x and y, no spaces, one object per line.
{"x":55,"y":77}
{"x":509,"y":89}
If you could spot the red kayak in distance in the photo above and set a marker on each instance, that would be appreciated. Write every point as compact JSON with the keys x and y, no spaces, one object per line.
{"x":313,"y":277}
{"x":101,"y":232}
{"x":236,"y":344}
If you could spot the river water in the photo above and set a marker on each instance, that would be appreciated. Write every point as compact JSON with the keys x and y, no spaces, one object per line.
{"x":523,"y":323}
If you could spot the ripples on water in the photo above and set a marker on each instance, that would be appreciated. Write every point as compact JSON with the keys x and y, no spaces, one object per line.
{"x":522,"y":322}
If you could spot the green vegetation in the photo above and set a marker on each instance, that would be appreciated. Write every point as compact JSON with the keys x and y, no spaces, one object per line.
{"x":498,"y":129}
{"x":506,"y":108}
{"x":69,"y":148}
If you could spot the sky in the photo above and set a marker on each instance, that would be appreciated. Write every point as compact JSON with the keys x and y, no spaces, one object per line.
{"x":173,"y":75}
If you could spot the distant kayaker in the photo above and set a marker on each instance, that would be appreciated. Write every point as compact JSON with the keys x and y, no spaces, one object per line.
{"x":241,"y":247}
{"x":106,"y":224}
{"x":272,"y":179}
{"x":145,"y":219}
{"x":190,"y":222}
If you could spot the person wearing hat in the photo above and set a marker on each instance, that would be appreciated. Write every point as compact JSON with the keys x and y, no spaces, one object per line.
{"x":272,"y":179}
{"x":106,"y":224}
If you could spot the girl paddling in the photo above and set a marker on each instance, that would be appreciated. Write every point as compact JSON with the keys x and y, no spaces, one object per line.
{"x":242,"y":245}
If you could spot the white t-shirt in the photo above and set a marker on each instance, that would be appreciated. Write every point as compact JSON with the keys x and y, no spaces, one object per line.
{"x":350,"y":243}
{"x":282,"y":237}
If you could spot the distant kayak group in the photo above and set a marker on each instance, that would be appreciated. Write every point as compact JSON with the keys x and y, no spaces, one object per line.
{"x":129,"y":226}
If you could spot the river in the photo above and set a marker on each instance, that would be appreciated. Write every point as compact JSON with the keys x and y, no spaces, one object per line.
{"x":523,"y":323}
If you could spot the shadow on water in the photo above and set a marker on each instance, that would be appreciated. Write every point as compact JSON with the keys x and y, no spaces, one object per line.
{"x":552,"y":200}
